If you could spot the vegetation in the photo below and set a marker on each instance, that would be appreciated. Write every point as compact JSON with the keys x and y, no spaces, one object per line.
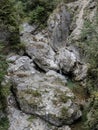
{"x":8,"y":22}
{"x":89,"y":37}
{"x":36,"y":11}
{"x":4,"y":123}
{"x":34,"y":93}
{"x":89,"y":47}
{"x":64,"y":112}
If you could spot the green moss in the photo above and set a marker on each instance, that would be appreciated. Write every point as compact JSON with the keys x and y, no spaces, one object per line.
{"x":5,"y":90}
{"x":64,"y":112}
{"x":34,"y":93}
{"x":61,"y":97}
{"x":34,"y":98}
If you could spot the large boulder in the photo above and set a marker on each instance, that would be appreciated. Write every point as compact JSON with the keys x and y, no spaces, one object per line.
{"x":36,"y":47}
{"x":44,"y":95}
{"x":66,"y":60}
{"x":22,"y":121}
{"x":70,"y":64}
{"x":58,"y":27}
{"x":43,"y":56}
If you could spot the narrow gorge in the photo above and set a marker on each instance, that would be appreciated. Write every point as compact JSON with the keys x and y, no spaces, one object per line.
{"x":49,"y":80}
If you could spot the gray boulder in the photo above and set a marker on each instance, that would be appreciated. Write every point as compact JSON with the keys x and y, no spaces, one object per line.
{"x":42,"y":55}
{"x":22,"y":121}
{"x":69,"y":62}
{"x":44,"y":95}
{"x":66,"y":60}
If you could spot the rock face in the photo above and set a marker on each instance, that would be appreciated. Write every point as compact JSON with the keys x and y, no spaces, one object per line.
{"x":39,"y":76}
{"x":81,"y":11}
{"x":58,"y":27}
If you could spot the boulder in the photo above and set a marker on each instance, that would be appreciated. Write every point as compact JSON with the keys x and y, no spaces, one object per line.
{"x":66,"y":60}
{"x":43,"y":56}
{"x":22,"y":121}
{"x":22,"y":66}
{"x":45,"y":95}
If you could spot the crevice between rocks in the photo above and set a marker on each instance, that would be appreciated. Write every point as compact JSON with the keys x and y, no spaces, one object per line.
{"x":15,"y":97}
{"x":38,"y":68}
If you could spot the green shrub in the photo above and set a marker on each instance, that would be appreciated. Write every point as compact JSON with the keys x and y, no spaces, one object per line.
{"x":4,"y":123}
{"x":37,"y":14}
{"x":8,"y":22}
{"x":89,"y":43}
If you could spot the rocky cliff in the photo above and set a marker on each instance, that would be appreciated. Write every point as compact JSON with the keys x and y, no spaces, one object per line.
{"x":40,"y":97}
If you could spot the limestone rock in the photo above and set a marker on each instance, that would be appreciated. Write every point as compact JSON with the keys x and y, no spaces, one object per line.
{"x":43,"y":55}
{"x":12,"y":58}
{"x":81,"y":11}
{"x":45,"y":95}
{"x":66,"y":60}
{"x":22,"y":121}
{"x":26,"y":28}
{"x":23,"y":66}
{"x":58,"y":27}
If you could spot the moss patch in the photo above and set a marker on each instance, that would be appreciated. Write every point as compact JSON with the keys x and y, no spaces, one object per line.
{"x":64,"y":112}
{"x":34,"y":93}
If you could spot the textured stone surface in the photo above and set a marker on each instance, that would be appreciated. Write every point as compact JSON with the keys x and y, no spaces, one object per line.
{"x":43,"y":55}
{"x":21,"y":121}
{"x":45,"y":95}
{"x":81,"y":11}
{"x":58,"y":27}
{"x":66,"y":60}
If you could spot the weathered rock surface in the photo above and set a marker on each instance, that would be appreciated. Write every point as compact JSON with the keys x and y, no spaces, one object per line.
{"x":21,"y":121}
{"x":44,"y":95}
{"x":66,"y":60}
{"x":58,"y":27}
{"x":42,"y":55}
{"x":81,"y":11}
